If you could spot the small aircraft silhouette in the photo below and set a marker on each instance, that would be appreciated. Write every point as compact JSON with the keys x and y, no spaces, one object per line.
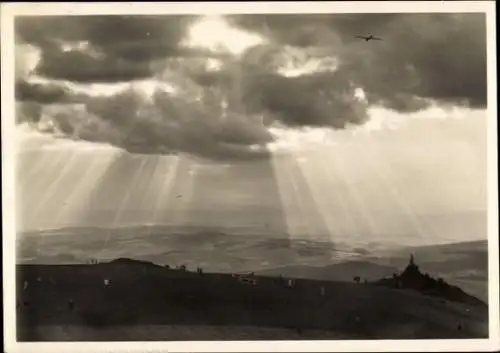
{"x":369,"y":37}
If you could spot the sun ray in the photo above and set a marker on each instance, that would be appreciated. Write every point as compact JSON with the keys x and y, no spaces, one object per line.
{"x":109,"y":189}
{"x":290,"y":198}
{"x":65,"y":186}
{"x":123,"y":202}
{"x":53,"y":188}
{"x":23,"y":186}
{"x":187,"y":178}
{"x":29,"y":164}
{"x":285,"y":196}
{"x":315,"y":213}
{"x":305,"y":231}
{"x":318,"y":199}
{"x":355,"y":195}
{"x":148,"y":187}
{"x":84,"y":214}
{"x":78,"y":185}
{"x":330,"y":169}
{"x":321,"y":178}
{"x":88,"y":179}
{"x":393,"y":189}
{"x":165,"y":191}
{"x":46,"y":163}
{"x":158,"y":187}
{"x":137,"y":207}
{"x":54,"y":184}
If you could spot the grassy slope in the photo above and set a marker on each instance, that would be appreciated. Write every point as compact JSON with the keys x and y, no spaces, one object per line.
{"x":151,"y":302}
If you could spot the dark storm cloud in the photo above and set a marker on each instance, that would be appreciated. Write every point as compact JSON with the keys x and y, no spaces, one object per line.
{"x":321,"y":100}
{"x":166,"y":124}
{"x":423,"y":56}
{"x":83,"y":67}
{"x":42,"y":92}
{"x":116,"y":48}
{"x":28,"y":112}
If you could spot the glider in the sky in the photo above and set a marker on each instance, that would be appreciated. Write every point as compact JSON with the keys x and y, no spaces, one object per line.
{"x":367,"y":38}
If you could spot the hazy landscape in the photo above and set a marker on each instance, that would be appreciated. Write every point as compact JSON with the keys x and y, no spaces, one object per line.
{"x":465,"y":263}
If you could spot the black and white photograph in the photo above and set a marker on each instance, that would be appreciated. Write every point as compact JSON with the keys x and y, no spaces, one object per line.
{"x":178,"y":174}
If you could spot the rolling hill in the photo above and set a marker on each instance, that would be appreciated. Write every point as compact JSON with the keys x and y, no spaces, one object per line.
{"x":145,"y":301}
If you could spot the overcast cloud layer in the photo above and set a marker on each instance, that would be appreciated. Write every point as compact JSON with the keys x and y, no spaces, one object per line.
{"x":220,"y":105}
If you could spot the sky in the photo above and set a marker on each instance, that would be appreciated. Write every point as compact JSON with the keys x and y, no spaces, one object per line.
{"x":286,"y":124}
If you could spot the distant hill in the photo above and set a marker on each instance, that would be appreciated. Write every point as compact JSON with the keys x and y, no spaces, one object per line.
{"x":97,"y":302}
{"x":343,"y":271}
{"x":463,"y":264}
{"x":378,"y":274}
{"x":127,"y":261}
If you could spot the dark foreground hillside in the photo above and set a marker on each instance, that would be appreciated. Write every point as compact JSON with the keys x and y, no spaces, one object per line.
{"x":128,"y":300}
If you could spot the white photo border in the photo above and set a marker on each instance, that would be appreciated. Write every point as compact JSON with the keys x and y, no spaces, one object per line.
{"x":8,"y":13}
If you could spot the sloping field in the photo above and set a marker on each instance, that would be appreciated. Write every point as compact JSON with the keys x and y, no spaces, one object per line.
{"x":149,"y":302}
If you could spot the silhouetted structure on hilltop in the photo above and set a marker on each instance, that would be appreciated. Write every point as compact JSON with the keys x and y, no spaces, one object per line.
{"x":412,"y":278}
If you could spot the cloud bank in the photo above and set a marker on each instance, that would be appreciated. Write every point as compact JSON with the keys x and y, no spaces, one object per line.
{"x":213,"y":102}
